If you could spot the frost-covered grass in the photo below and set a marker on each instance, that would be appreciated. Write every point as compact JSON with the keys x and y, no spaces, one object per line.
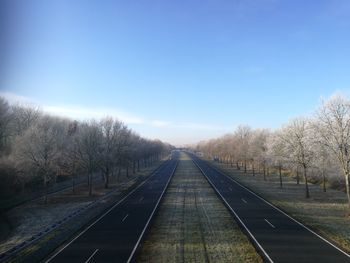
{"x":193,"y":225}
{"x":326,"y":213}
{"x":33,"y":218}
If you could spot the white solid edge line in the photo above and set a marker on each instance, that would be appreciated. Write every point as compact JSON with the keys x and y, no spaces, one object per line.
{"x":267,"y":221}
{"x":150,"y":218}
{"x":98,"y":219}
{"x":244,"y":200}
{"x":275,"y":207}
{"x":93,"y":254}
{"x":233,"y":211}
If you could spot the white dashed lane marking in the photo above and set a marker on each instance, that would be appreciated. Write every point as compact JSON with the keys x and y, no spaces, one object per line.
{"x":125,"y":217}
{"x":271,"y":225}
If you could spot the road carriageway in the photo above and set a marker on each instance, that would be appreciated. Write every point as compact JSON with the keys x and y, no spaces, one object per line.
{"x":278,"y":236}
{"x":116,"y":235}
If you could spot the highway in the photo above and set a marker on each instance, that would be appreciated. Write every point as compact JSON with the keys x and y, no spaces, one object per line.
{"x":279,"y":237}
{"x":116,"y":235}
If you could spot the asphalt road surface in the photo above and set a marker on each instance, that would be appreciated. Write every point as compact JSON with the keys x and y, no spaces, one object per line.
{"x":279,"y":237}
{"x":115,"y":236}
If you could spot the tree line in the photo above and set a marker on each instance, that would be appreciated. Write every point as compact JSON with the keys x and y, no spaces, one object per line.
{"x":36,"y":149}
{"x":319,"y":144}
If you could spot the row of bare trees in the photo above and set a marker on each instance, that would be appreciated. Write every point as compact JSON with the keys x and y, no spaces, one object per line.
{"x":35,"y":147}
{"x":318,"y":143}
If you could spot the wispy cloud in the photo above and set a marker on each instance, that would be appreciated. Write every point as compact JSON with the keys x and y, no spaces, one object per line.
{"x":15,"y":98}
{"x":186,"y":125}
{"x":159,"y":123}
{"x":75,"y":112}
{"x":200,"y":126}
{"x":86,"y":113}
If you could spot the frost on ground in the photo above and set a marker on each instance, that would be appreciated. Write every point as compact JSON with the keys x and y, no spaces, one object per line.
{"x":33,"y":218}
{"x":193,"y":225}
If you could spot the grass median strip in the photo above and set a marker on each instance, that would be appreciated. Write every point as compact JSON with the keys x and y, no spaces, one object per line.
{"x":193,"y":225}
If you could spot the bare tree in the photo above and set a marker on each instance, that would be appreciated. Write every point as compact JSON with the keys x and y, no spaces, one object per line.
{"x":88,"y":143}
{"x":113,"y":139}
{"x":39,"y":145}
{"x":232,"y":150}
{"x":332,"y":125}
{"x":24,"y":116}
{"x":69,"y":156}
{"x":297,"y":137}
{"x":323,"y":162}
{"x":135,"y":151}
{"x":243,"y":135}
{"x":122,"y":147}
{"x":258,"y":148}
{"x":277,"y":153}
{"x":38,"y":148}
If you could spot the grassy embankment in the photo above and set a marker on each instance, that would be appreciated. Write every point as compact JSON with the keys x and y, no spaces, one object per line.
{"x":193,"y":225}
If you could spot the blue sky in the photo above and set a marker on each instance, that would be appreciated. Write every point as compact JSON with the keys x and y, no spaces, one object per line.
{"x":181,"y":71}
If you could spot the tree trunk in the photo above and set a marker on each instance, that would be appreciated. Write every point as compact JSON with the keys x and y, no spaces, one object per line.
{"x":253,"y":169}
{"x":298,"y":178}
{"x":307,"y":192}
{"x":245,"y":166}
{"x":107,"y":181}
{"x":324,"y":180}
{"x":237,"y":165}
{"x":280,"y":175}
{"x":264,"y":171}
{"x":90,"y":183}
{"x":347,"y":189}
{"x":133,"y":167}
{"x":107,"y":178}
{"x":138,"y":165}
